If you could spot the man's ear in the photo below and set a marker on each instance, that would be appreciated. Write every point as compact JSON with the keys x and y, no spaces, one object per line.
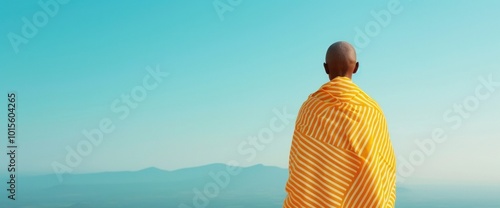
{"x":326,"y":68}
{"x":356,"y":68}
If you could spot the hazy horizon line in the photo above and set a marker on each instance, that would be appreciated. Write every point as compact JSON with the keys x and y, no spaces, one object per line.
{"x":145,"y":168}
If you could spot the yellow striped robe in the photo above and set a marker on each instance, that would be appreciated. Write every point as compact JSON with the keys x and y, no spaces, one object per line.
{"x":341,"y":154}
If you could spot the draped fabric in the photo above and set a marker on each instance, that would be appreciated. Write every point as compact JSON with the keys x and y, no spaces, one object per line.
{"x":341,"y":153}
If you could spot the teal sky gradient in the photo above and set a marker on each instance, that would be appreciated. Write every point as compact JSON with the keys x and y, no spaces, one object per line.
{"x":226,"y":77}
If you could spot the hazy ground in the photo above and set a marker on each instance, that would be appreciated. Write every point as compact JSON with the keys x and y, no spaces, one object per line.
{"x":257,"y":186}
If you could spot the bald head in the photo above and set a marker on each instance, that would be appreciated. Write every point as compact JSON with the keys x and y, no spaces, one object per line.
{"x":341,"y":60}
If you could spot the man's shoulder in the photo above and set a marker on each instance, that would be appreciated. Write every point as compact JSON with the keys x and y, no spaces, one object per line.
{"x":364,"y":99}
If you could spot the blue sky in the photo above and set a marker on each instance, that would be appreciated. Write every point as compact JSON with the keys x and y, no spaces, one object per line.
{"x":226,"y":77}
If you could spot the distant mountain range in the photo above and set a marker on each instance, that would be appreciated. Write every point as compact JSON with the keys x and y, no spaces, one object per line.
{"x":214,"y":185}
{"x":210,"y":185}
